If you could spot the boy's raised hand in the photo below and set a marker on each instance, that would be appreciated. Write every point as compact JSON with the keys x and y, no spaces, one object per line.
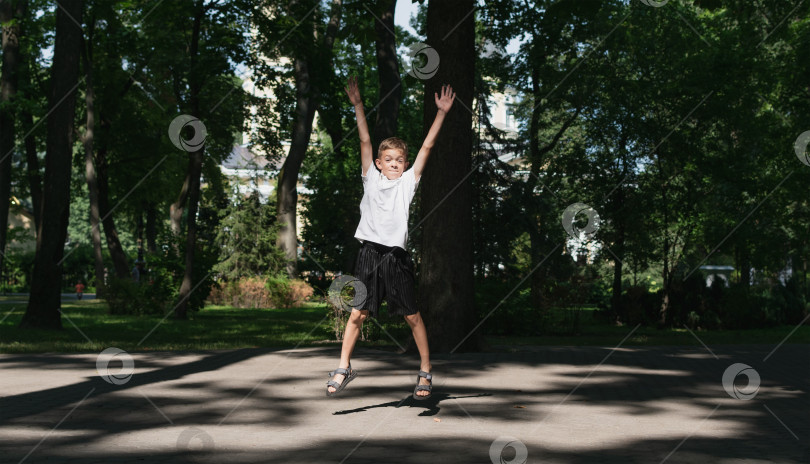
{"x":353,"y":92}
{"x":446,"y":101}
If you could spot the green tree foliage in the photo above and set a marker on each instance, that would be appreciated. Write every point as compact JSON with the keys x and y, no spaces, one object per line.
{"x":247,"y":236}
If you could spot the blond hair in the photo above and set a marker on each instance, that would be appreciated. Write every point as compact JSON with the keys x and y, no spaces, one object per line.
{"x":393,"y":143}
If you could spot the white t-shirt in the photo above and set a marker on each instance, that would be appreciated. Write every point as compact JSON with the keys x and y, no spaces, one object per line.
{"x":384,"y":208}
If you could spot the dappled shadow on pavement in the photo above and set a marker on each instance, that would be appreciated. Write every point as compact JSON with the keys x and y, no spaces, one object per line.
{"x":566,"y":405}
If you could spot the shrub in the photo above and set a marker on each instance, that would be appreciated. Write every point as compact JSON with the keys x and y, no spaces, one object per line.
{"x":247,"y":292}
{"x":259,"y":292}
{"x":159,"y":288}
{"x":125,"y":296}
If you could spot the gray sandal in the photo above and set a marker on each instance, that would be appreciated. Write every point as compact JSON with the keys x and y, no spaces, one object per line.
{"x":349,"y":374}
{"x":428,"y":388}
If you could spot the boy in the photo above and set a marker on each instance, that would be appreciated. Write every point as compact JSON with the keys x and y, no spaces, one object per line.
{"x":383,"y":265}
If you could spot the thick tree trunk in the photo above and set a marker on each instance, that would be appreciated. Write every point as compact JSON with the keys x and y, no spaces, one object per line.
{"x":89,"y":167}
{"x":45,"y":302}
{"x":8,"y":91}
{"x":446,"y":293}
{"x":388,"y":70}
{"x":195,"y":169}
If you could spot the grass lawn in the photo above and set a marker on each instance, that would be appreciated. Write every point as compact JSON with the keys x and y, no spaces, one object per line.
{"x":88,"y":328}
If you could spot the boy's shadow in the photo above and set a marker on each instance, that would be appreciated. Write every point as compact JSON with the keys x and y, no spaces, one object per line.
{"x":431,"y":405}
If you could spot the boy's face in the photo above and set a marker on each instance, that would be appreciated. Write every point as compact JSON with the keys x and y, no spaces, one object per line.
{"x":392,"y":163}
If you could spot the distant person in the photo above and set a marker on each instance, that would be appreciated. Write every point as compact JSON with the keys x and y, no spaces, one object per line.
{"x":79,"y":290}
{"x":137,"y":271}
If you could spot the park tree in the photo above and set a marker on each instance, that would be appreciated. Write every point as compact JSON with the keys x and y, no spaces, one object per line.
{"x":45,"y":301}
{"x":90,"y":170}
{"x":247,"y":239}
{"x":11,"y":15}
{"x":446,"y":272}
{"x":301,"y":32}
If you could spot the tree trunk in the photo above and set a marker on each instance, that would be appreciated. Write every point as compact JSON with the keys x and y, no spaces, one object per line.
{"x":151,"y":228}
{"x":388,"y":70}
{"x":287,"y":199}
{"x":192,"y":184}
{"x":176,"y":209}
{"x":8,"y":91}
{"x":305,"y":106}
{"x":195,"y":169}
{"x":89,"y":167}
{"x":34,"y":178}
{"x":446,"y":280}
{"x":616,"y":297}
{"x":44,"y":305}
{"x":666,"y":271}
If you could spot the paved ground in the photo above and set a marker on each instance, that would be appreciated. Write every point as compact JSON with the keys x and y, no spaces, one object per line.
{"x":17,"y":298}
{"x":549,"y":404}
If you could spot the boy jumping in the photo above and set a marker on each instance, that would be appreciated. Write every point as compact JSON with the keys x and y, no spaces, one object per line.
{"x":383,"y":265}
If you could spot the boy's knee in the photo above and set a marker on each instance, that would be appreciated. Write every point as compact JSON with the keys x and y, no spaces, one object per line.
{"x":358,"y":315}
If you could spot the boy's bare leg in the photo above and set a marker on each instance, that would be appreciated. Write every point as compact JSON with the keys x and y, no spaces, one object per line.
{"x":420,"y":337}
{"x":350,"y":336}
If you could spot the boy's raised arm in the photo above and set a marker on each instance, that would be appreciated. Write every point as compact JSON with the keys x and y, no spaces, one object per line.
{"x":353,"y":92}
{"x":443,"y":105}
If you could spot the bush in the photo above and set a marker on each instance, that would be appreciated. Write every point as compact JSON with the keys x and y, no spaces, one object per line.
{"x":258,"y":292}
{"x":247,"y":292}
{"x":125,"y":296}
{"x":159,"y":288}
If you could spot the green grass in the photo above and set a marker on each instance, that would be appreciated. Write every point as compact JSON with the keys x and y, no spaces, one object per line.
{"x":215,"y":327}
{"x":89,"y":328}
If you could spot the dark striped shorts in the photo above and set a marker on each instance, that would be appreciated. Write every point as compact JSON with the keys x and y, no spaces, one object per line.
{"x":387,"y":272}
